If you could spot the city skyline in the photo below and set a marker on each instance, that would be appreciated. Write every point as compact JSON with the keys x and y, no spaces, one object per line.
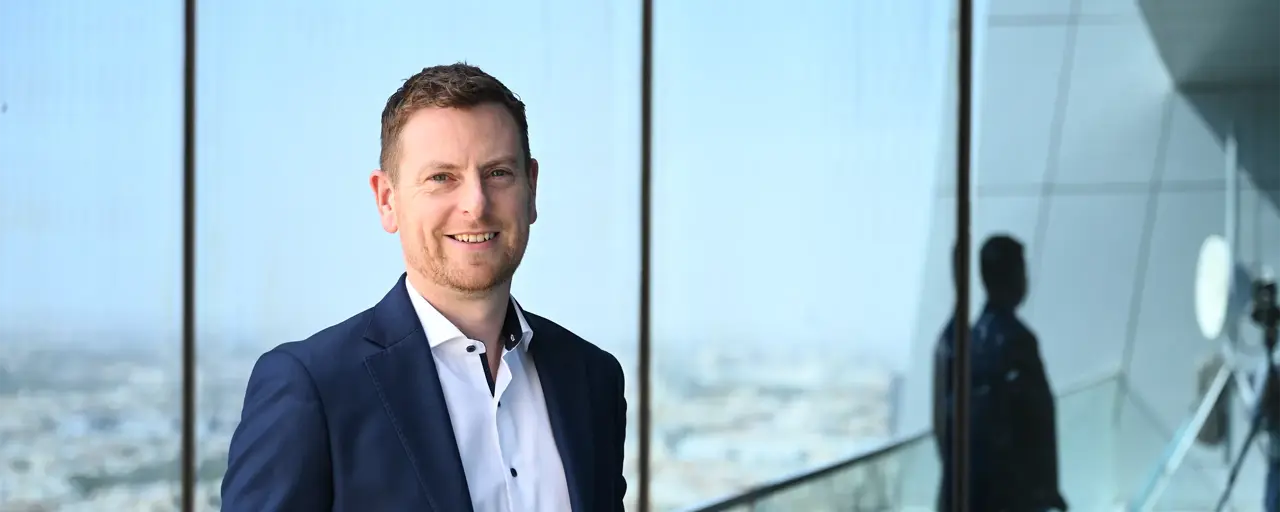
{"x":287,"y":127}
{"x":743,"y":322}
{"x":87,"y":431}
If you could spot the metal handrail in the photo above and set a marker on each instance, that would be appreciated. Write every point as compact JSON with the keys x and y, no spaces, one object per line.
{"x":762,"y":491}
{"x":1181,"y":441}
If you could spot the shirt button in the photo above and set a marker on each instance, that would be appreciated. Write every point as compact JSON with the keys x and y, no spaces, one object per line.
{"x":513,"y":472}
{"x":511,"y":337}
{"x":471,"y":348}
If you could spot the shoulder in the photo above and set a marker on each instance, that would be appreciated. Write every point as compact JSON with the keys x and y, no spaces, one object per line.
{"x":323,"y":353}
{"x":547,"y":331}
{"x":1007,"y":326}
{"x":945,"y":339}
{"x":1021,"y":343}
{"x":1022,"y":333}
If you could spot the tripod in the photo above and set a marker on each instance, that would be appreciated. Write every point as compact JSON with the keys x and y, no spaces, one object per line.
{"x":1266,"y":314}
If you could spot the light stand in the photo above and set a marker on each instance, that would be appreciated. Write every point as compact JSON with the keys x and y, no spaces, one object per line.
{"x":1267,"y":315}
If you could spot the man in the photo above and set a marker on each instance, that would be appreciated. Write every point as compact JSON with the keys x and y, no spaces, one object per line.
{"x":445,"y":396}
{"x":1013,"y":435}
{"x":1269,"y":407}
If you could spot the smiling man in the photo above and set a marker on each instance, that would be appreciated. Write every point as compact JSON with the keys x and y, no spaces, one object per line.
{"x":446,"y":395}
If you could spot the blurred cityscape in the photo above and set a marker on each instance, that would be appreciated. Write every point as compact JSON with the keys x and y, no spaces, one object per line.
{"x":96,"y":430}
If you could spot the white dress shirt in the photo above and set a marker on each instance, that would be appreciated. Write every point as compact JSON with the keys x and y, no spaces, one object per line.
{"x":504,"y":436}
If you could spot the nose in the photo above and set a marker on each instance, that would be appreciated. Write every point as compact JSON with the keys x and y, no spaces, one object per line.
{"x":474,"y":199}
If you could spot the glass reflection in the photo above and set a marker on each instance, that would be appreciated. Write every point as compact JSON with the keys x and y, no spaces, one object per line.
{"x":1103,"y":145}
{"x":794,"y":167}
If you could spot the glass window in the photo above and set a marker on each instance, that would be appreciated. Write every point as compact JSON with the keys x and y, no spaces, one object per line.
{"x":795,"y":163}
{"x":90,"y":255}
{"x":1103,"y":147}
{"x":290,"y":101}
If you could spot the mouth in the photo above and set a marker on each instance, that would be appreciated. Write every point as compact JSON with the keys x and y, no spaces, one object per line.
{"x":474,"y":238}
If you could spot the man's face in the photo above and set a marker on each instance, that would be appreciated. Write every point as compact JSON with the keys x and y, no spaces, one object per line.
{"x":463,"y":198}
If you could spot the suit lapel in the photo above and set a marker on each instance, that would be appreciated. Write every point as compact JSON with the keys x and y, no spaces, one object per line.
{"x":406,"y":378}
{"x":564,"y":385}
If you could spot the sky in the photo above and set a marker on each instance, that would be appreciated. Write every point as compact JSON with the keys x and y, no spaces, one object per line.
{"x":796,"y":154}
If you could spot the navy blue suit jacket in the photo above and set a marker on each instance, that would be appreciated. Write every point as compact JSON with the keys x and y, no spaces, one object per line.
{"x":354,"y":419}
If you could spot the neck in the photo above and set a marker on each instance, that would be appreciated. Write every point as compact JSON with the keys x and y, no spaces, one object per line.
{"x":1002,"y":305}
{"x":478,"y":315}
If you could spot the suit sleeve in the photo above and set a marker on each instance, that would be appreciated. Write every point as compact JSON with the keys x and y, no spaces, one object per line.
{"x":620,"y":447}
{"x":1037,"y":403}
{"x":279,"y":455}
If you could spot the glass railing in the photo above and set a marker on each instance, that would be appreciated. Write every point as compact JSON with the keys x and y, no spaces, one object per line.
{"x":903,"y":475}
{"x":873,"y":480}
{"x":1183,"y":475}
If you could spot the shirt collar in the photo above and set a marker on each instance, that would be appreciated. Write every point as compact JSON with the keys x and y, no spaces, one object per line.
{"x":515,"y":329}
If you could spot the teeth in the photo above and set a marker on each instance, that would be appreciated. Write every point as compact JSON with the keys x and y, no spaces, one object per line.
{"x":474,"y":238}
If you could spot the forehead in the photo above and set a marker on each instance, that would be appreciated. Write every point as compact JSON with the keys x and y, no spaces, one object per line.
{"x":459,"y":134}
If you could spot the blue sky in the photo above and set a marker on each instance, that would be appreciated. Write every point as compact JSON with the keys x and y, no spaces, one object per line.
{"x":796,"y":148}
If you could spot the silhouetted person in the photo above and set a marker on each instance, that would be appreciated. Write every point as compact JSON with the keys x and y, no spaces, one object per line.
{"x":1269,"y":408}
{"x":1013,"y":454}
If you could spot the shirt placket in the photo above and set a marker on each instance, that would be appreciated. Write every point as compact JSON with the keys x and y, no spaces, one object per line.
{"x":505,"y":428}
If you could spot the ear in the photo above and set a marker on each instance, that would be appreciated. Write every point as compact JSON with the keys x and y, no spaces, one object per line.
{"x":533,"y":190}
{"x":384,"y":196}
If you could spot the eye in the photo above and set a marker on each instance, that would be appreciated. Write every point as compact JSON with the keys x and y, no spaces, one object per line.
{"x":438,"y":178}
{"x":501,"y":173}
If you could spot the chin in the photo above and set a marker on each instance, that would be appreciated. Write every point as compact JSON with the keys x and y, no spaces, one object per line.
{"x":475,"y":286}
{"x":474,"y":279}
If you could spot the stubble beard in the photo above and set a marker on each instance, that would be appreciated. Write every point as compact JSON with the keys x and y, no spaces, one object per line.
{"x":455,"y":275}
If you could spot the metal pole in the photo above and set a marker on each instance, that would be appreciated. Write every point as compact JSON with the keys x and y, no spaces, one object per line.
{"x":1229,"y":167}
{"x":961,"y":427}
{"x":646,"y":229}
{"x":189,"y":258}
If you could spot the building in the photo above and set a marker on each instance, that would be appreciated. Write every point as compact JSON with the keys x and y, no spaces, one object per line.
{"x":1101,"y":142}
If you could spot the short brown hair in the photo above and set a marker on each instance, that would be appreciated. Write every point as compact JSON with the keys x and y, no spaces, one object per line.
{"x":459,"y":85}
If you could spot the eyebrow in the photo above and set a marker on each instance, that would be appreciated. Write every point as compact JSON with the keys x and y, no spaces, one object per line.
{"x":439,"y":165}
{"x":503,"y":160}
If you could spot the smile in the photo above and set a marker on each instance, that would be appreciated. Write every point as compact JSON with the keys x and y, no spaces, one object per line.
{"x":474,"y":238}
